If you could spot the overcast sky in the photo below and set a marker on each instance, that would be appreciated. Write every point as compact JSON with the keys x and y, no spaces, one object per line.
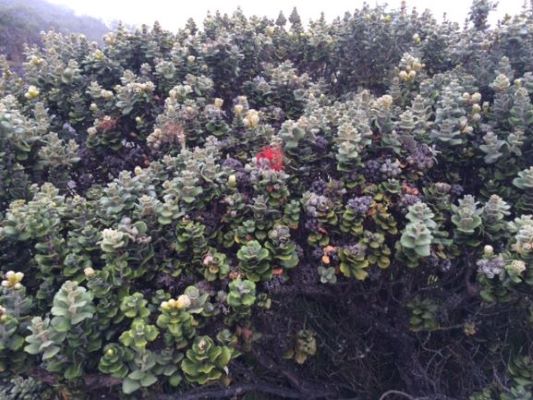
{"x":172,"y":14}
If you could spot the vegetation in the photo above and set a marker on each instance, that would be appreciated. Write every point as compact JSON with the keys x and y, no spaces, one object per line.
{"x":22,"y":21}
{"x":261,"y":209}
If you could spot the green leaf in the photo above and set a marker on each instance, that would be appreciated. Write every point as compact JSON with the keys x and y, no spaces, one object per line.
{"x":130,"y":386}
{"x":137,"y":375}
{"x":60,"y":324}
{"x":175,"y":380}
{"x":423,"y":251}
{"x":15,"y":343}
{"x":50,"y":352}
{"x":73,"y":372}
{"x":148,"y":380}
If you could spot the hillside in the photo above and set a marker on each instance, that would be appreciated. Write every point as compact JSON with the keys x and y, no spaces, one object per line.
{"x":21,"y":21}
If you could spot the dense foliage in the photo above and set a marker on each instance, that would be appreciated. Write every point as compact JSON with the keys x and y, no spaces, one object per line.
{"x":322,"y":212}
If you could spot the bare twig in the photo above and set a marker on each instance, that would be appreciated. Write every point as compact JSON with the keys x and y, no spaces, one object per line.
{"x":397,"y":392}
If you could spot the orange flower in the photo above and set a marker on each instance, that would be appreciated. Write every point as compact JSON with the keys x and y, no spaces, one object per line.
{"x":329,"y":249}
{"x":406,"y":188}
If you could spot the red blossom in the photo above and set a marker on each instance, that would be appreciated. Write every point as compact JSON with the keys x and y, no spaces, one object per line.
{"x":274,"y":155}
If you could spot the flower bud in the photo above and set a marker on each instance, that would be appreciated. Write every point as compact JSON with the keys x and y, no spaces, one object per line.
{"x":238,"y":109}
{"x":12,"y":280}
{"x":184,"y":301}
{"x":89,"y":272}
{"x":232,"y":181}
{"x":98,"y":55}
{"x":476,"y":97}
{"x":208,"y":259}
{"x":32,"y":92}
{"x":516,"y":267}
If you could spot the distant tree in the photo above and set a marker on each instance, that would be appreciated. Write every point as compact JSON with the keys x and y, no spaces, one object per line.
{"x":22,"y":21}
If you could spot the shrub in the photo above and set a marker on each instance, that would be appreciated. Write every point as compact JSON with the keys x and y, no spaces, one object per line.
{"x":330,"y":211}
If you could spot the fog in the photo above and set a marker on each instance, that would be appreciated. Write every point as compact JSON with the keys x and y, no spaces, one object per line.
{"x":173,"y":14}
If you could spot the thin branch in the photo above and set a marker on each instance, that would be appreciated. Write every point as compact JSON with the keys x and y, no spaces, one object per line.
{"x":397,"y":392}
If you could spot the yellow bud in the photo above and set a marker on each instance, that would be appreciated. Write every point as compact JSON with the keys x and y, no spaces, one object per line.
{"x":403,"y":75}
{"x":476,"y":97}
{"x":232,"y":181}
{"x":98,"y":55}
{"x":219,"y":103}
{"x":32,"y":93}
{"x":36,"y":60}
{"x":488,"y":250}
{"x":106,"y":94}
{"x":238,"y":109}
{"x":469,"y":329}
{"x":184,"y":301}
{"x":89,"y":272}
{"x":252,"y":119}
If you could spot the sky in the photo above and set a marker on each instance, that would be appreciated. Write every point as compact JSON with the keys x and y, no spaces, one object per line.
{"x":172,"y":14}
